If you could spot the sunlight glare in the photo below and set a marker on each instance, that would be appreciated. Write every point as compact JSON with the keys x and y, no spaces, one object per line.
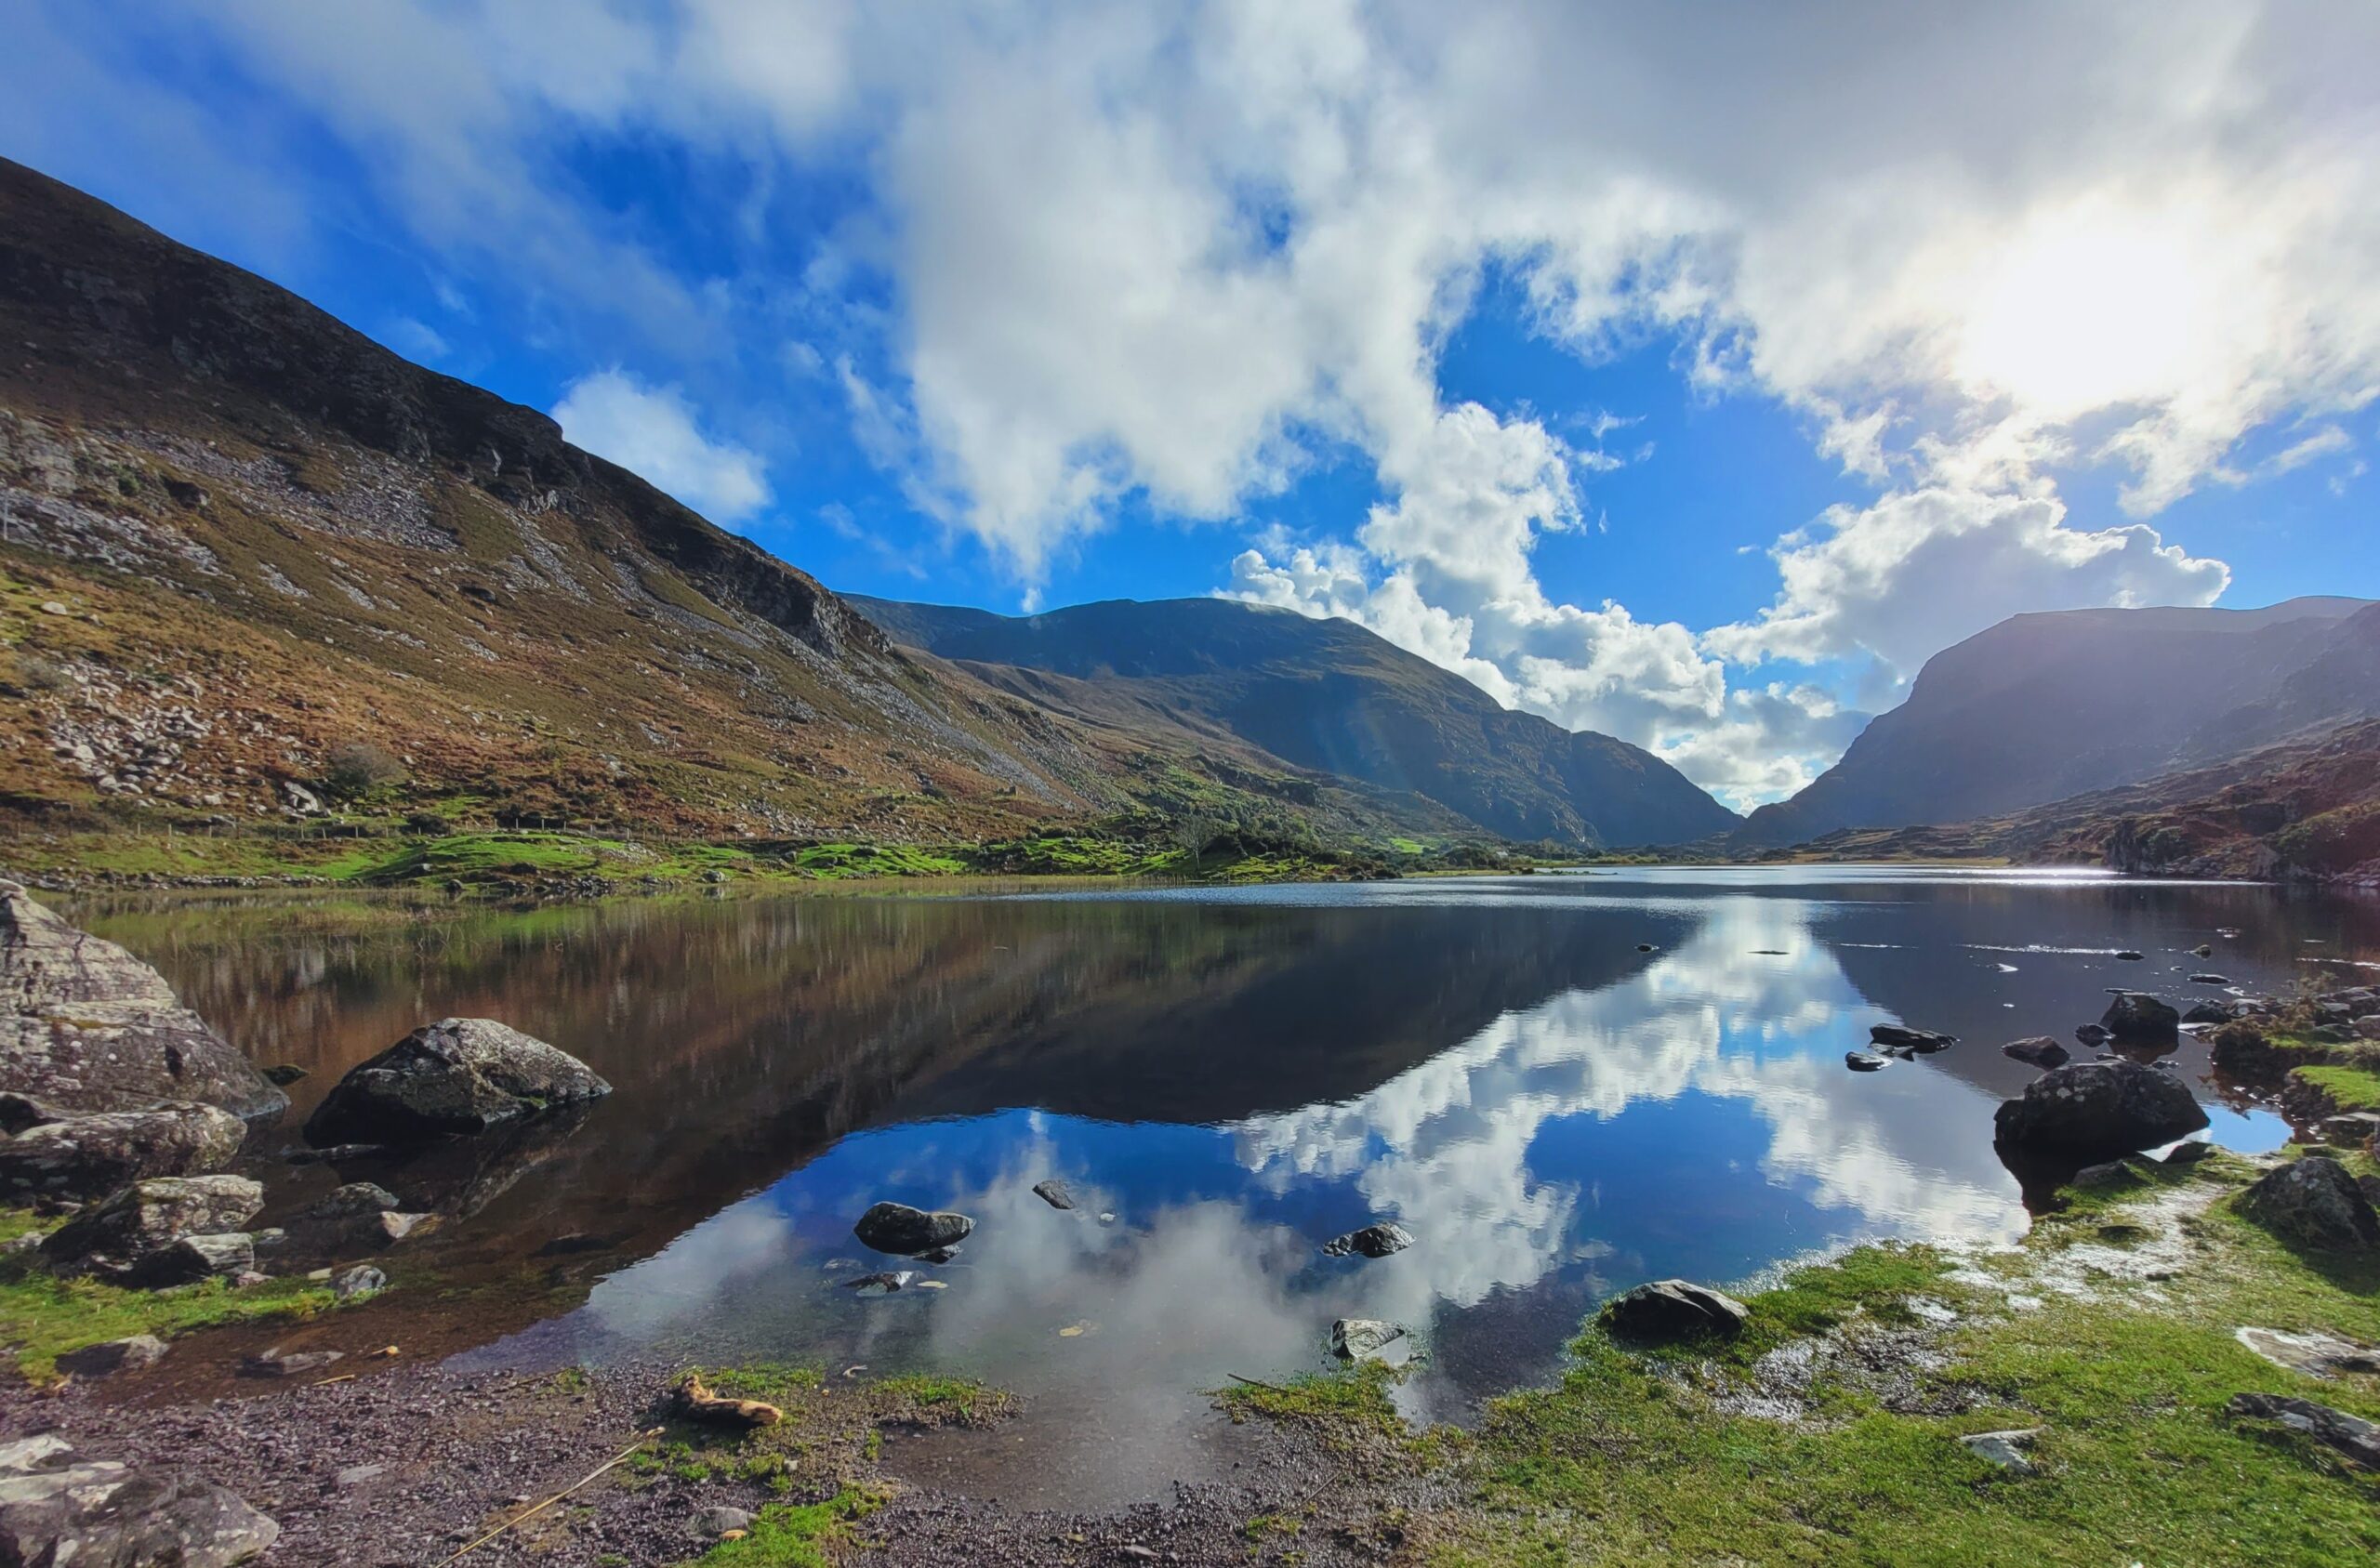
{"x":2080,"y":316}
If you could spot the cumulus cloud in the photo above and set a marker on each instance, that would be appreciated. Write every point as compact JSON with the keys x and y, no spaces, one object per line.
{"x":652,"y":431}
{"x":1167,"y":255}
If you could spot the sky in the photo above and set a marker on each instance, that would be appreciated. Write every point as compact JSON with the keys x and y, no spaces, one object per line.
{"x":1690,"y":373}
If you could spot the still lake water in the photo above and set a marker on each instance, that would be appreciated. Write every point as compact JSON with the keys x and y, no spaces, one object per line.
{"x":1225,"y":1078}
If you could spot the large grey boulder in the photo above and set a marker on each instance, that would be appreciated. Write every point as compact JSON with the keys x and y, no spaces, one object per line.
{"x":89,"y":1156}
{"x":458,"y":1076}
{"x":116,"y":1236}
{"x":2095,"y":1110}
{"x":58,"y":1508}
{"x":1666,"y":1310}
{"x":2315,"y":1203}
{"x":904,"y":1232}
{"x":86,"y":1026}
{"x":2142,"y":1019}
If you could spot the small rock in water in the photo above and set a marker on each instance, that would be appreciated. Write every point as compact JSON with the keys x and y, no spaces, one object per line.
{"x":277,"y":1363}
{"x":2093,"y":1034}
{"x":1670,"y":1309}
{"x":2129,"y":955}
{"x":1364,"y":1338}
{"x":459,"y":1075}
{"x":2040,"y":1049}
{"x":1373,"y":1240}
{"x":882,"y":1284}
{"x":115,"y":1355}
{"x":939,"y":1254}
{"x":906,"y":1232}
{"x":2136,"y":1015}
{"x":2210,"y":980}
{"x":1921,"y":1040}
{"x":2351,"y":1436}
{"x":1865,"y":1061}
{"x":2202,"y":951}
{"x":1053,"y":1193}
{"x":283,"y":1076}
{"x":1644,"y":947}
{"x":2004,"y":1449}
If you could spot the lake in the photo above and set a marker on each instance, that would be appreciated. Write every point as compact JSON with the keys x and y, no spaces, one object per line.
{"x":1560,"y":1085}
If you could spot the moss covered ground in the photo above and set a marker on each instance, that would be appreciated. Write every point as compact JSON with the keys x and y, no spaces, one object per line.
{"x":43,"y":1317}
{"x":2111,"y":1330}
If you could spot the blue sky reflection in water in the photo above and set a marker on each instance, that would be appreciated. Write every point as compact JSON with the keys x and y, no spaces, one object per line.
{"x":1236,"y":1077}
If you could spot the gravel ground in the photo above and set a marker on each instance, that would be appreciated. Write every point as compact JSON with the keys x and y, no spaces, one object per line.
{"x":404,"y":1464}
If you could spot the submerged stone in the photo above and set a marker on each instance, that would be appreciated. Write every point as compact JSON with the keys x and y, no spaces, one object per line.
{"x":906,"y":1232}
{"x":1373,"y":1240}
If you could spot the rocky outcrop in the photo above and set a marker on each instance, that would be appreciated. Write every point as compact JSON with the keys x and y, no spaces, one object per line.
{"x":904,"y":1232}
{"x":148,"y":1218}
{"x":1668,"y":1311}
{"x":57,"y":1507}
{"x":2313,"y":1202}
{"x":456,"y":1077}
{"x":86,"y":1026}
{"x":2096,"y":1109}
{"x":1920,"y":1042}
{"x":87,"y":1158}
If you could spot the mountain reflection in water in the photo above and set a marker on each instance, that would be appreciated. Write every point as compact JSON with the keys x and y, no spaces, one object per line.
{"x":1233,"y":1078}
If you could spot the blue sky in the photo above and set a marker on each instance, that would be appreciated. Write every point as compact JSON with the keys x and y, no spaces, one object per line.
{"x":1691,"y":377}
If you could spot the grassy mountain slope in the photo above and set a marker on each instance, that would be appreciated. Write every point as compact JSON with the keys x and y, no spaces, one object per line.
{"x":2304,"y":810}
{"x":1321,"y":694}
{"x":2043,"y":708}
{"x":252,"y":563}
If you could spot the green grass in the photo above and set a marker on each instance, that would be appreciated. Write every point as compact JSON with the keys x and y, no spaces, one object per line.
{"x":1628,"y":1460}
{"x":796,"y":1535}
{"x":42,"y":1316}
{"x":962,"y":1397}
{"x":1343,"y":1404}
{"x":2350,"y":1089}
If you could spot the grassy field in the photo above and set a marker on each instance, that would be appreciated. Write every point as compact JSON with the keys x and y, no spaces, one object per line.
{"x":2110,"y":1332}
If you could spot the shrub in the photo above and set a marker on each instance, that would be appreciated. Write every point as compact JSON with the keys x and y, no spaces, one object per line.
{"x":360,"y":767}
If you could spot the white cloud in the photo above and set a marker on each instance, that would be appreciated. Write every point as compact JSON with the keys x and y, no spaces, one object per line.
{"x":1170,"y":255}
{"x":652,"y":432}
{"x":417,"y":340}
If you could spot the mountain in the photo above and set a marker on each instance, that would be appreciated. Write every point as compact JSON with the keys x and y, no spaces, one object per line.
{"x":2307,"y":810}
{"x":1321,"y":694}
{"x":250,"y":558}
{"x":2046,"y":706}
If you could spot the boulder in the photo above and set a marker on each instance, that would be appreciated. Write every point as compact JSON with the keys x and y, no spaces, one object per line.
{"x":2351,"y":1437}
{"x":359,"y":1282}
{"x":1923,"y":1041}
{"x":2188,"y":1154}
{"x":1364,"y":1338}
{"x":459,"y":1075}
{"x":1373,"y":1240}
{"x":1666,"y":1310}
{"x":1054,"y":1192}
{"x":904,"y":1232}
{"x":2136,"y":1015}
{"x":2368,"y":1027}
{"x":2314,"y":1203}
{"x":2039,"y":1049}
{"x":2351,"y":1129}
{"x":188,"y":1259}
{"x":112,"y":1356}
{"x":149,"y":1217}
{"x":354,"y":1199}
{"x":1866,"y":1061}
{"x":89,"y":1156}
{"x":57,"y":1507}
{"x":2207,"y":1012}
{"x":2096,"y":1109}
{"x":86,"y":1026}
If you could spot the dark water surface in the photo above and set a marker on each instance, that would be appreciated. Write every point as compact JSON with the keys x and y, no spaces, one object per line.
{"x":1226,"y":1079}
